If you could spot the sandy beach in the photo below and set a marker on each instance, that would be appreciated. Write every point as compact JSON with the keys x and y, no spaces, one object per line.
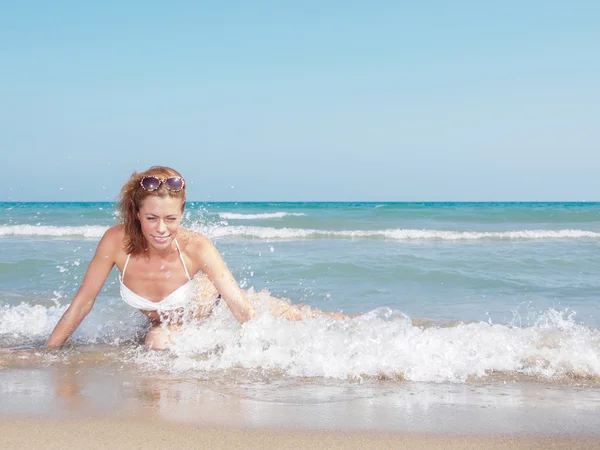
{"x":93,"y":405}
{"x":131,"y":433}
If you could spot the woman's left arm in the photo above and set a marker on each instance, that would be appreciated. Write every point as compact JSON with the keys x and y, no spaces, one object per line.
{"x":221,"y":277}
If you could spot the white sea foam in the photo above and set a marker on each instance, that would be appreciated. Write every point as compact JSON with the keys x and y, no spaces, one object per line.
{"x":87,"y":231}
{"x":26,"y":323}
{"x":384,"y":344}
{"x":268,"y":233}
{"x":380,"y":343}
{"x":398,"y":234}
{"x":30,"y":321}
{"x":276,"y":215}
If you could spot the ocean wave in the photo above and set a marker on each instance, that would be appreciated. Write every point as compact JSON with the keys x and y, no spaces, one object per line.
{"x":24,"y":323}
{"x":398,"y":234}
{"x":268,"y":233}
{"x":87,"y":231}
{"x":31,"y":324}
{"x":382,"y":344}
{"x":386,"y":345}
{"x":276,"y":215}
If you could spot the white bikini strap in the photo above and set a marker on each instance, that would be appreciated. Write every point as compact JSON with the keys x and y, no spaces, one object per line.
{"x":182,"y":261}
{"x":125,"y":266}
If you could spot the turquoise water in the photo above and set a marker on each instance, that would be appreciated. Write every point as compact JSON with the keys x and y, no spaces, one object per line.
{"x":449,"y":290}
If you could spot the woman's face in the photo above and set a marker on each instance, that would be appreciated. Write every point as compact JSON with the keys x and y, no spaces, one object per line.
{"x":160,"y":218}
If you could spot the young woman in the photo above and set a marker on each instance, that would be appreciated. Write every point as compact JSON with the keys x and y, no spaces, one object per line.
{"x":169,"y":273}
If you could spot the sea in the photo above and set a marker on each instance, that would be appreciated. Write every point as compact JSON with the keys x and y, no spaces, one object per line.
{"x":493,"y":300}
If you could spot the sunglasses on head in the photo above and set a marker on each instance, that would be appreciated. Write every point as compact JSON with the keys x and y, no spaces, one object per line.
{"x":152,"y":183}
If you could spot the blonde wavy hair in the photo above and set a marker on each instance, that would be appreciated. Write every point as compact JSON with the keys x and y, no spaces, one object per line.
{"x":131,"y":199}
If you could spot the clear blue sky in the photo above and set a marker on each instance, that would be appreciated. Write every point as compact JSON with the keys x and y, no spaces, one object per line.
{"x":307,"y":100}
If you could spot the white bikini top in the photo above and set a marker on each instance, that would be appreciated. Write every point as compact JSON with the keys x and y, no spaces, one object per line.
{"x":180,"y":297}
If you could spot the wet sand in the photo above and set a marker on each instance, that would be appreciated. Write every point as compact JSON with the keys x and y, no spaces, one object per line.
{"x":86,"y":402}
{"x":132,"y":433}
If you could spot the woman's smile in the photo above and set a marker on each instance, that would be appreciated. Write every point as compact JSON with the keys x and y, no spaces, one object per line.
{"x":160,"y":239}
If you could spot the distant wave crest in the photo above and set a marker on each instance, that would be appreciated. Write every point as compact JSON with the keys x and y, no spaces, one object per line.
{"x":276,"y":215}
{"x":94,"y":231}
{"x":398,"y":234}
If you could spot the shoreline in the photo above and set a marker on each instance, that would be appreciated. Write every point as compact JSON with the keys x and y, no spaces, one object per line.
{"x":16,"y":433}
{"x":94,"y":391}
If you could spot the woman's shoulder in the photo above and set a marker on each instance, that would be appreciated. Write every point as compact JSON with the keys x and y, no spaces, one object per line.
{"x":192,"y":242}
{"x":192,"y":238}
{"x":115,"y":232}
{"x":114,"y":236}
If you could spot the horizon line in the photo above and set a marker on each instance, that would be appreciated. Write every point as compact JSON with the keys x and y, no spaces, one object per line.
{"x":318,"y":201}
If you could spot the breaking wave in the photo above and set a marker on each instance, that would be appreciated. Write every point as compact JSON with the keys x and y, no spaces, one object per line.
{"x":276,"y":215}
{"x":267,"y":233}
{"x":380,"y":344}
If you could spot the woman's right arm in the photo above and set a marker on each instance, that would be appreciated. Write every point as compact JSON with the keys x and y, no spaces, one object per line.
{"x":95,"y":275}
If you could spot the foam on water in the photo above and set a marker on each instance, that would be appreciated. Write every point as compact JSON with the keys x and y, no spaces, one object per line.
{"x":87,"y":231}
{"x":276,"y":215}
{"x":386,"y":344}
{"x":27,"y":324}
{"x":398,"y":234}
{"x":26,"y":321}
{"x":380,"y":344}
{"x":217,"y":231}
